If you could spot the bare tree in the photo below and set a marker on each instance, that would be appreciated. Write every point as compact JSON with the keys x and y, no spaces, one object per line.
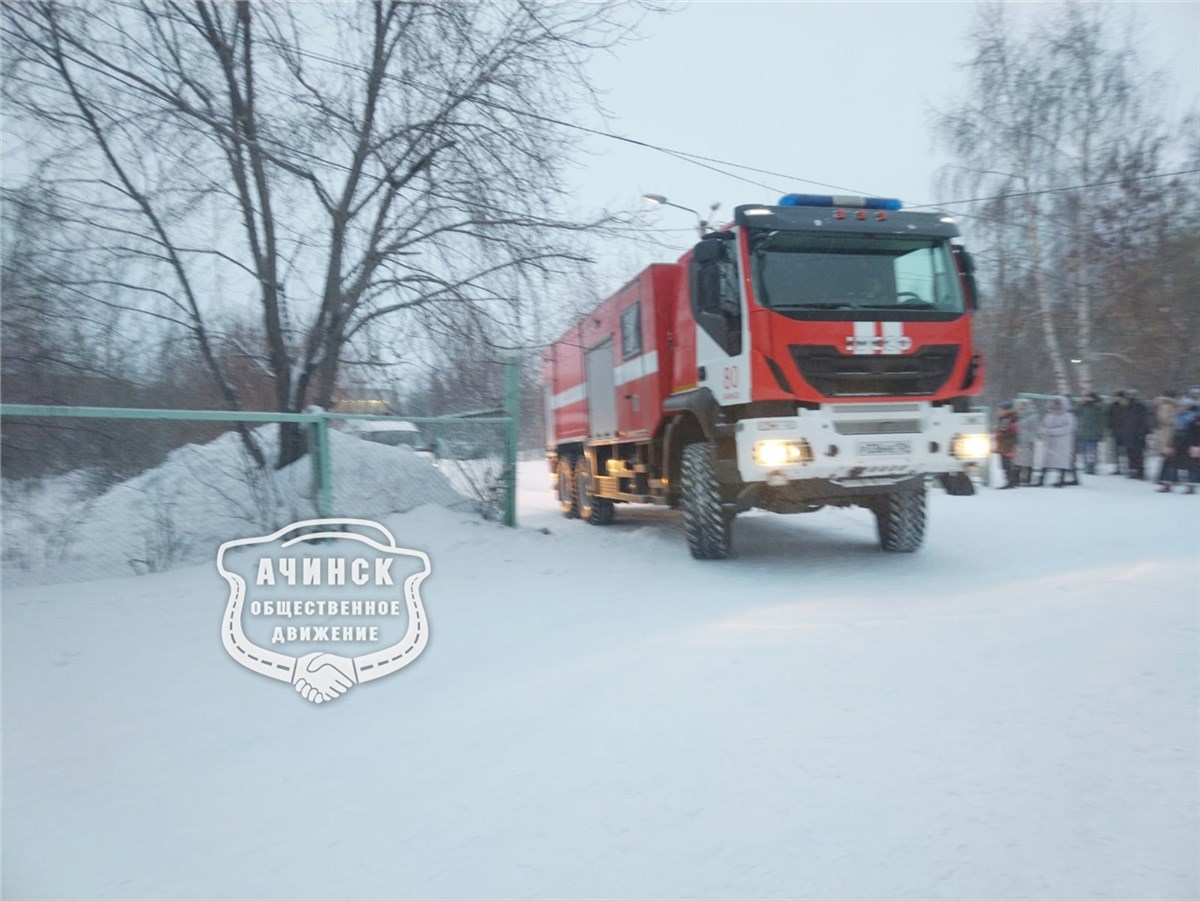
{"x":338,"y":166}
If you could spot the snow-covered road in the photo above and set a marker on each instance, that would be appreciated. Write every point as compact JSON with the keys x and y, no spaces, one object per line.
{"x":1010,"y":713}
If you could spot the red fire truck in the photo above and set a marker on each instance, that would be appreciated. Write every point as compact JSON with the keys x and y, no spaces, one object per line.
{"x":809,"y":354}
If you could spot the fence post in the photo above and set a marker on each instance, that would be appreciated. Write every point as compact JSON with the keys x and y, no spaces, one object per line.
{"x":318,"y":435}
{"x":512,"y":410}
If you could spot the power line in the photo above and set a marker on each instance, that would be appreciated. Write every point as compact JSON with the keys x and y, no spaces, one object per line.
{"x":706,"y":162}
{"x":712,"y":163}
{"x":1095,"y":184}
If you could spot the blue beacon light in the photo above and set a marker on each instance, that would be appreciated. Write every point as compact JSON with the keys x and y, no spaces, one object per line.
{"x":832,"y":200}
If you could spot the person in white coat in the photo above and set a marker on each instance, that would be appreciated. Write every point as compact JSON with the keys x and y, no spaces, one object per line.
{"x":1057,"y":431}
{"x":1027,"y":433}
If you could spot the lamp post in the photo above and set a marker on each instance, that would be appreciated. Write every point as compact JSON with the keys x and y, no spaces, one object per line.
{"x":701,"y":224}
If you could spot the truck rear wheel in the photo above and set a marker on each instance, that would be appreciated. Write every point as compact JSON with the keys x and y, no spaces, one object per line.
{"x":596,"y":510}
{"x":900,"y":518}
{"x":707,"y":526}
{"x":568,"y":501}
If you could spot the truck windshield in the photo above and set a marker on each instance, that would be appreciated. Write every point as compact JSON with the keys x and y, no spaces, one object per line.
{"x":815,"y":276}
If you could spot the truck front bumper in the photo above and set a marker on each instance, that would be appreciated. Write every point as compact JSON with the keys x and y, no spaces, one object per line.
{"x":861,"y":445}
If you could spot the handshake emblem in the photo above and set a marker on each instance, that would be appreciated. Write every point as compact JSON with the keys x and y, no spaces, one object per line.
{"x":322,"y":677}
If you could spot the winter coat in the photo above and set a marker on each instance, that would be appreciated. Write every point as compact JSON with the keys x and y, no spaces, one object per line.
{"x":1027,"y":430}
{"x":1090,"y":421}
{"x":1057,"y":432}
{"x":1118,"y":419}
{"x":1006,"y":434}
{"x":1130,"y":419}
{"x":1165,"y":411}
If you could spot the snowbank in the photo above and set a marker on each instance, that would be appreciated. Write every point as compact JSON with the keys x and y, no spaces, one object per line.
{"x":61,"y":529}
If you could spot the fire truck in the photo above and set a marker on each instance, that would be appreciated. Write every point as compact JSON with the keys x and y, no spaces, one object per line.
{"x":809,"y":354}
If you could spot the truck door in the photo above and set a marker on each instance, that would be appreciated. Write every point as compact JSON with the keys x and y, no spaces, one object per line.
{"x":719,"y":310}
{"x":601,"y":392}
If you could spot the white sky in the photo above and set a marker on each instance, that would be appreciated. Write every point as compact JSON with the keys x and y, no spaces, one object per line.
{"x":834,"y":92}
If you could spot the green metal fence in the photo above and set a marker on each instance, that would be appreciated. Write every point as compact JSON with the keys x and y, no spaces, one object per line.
{"x":75,"y":478}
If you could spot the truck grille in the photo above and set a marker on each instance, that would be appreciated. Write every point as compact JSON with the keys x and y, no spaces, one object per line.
{"x":835,"y":374}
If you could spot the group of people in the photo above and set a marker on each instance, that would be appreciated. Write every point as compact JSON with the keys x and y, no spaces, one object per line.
{"x":1018,"y":430}
{"x":1072,"y":435}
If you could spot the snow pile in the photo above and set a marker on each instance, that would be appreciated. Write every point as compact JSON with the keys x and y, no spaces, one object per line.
{"x":1010,"y":713}
{"x":64,"y":529}
{"x":372,"y":480}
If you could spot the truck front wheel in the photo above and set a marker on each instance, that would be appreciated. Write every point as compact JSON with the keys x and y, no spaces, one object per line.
{"x":705,"y":522}
{"x":900,"y":518}
{"x":568,"y":502}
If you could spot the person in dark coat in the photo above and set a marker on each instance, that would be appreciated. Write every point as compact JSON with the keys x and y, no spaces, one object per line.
{"x":1129,"y":420}
{"x":1137,"y":426}
{"x":1006,"y":443}
{"x":1118,"y":419}
{"x":1089,"y":421}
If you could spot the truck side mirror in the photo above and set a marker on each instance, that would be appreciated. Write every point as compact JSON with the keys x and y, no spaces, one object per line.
{"x":713,"y":248}
{"x":713,"y":301}
{"x":707,"y":257}
{"x":967,"y":264}
{"x":972,"y":291}
{"x":708,"y":287}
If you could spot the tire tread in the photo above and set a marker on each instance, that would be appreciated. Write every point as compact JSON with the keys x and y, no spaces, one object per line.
{"x":901,"y":521}
{"x":707,"y":526}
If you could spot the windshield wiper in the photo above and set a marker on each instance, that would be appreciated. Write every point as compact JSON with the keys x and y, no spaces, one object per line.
{"x":812,"y":306}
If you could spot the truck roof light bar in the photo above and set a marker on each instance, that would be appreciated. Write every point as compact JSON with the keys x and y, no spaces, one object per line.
{"x":831,"y":200}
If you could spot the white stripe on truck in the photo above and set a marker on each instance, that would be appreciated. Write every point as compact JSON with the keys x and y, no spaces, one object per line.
{"x":630,"y":370}
{"x":568,"y":397}
{"x":864,"y":338}
{"x":638,"y":367}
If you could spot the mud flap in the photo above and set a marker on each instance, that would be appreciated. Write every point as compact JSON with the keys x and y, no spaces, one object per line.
{"x":958,"y":484}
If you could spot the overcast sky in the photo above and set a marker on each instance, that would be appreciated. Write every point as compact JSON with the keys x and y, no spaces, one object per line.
{"x":839,"y":93}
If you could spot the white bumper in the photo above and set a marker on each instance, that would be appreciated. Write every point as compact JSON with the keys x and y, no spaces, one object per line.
{"x":860,"y":444}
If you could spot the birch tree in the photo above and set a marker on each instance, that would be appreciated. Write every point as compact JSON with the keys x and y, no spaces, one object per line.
{"x":1004,"y":135}
{"x":1059,"y":119}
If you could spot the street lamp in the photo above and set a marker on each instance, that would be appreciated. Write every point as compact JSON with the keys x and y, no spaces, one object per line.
{"x":1093,"y":355}
{"x":701,"y":224}
{"x":1087,"y":360}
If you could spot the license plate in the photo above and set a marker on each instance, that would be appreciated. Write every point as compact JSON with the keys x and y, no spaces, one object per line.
{"x":884,"y":448}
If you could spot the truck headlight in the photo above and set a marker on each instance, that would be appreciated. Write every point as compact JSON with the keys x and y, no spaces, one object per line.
{"x":781,"y":453}
{"x":971,"y":447}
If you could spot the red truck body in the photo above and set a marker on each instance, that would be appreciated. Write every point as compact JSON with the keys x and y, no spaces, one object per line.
{"x":807,"y":354}
{"x":641,"y":377}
